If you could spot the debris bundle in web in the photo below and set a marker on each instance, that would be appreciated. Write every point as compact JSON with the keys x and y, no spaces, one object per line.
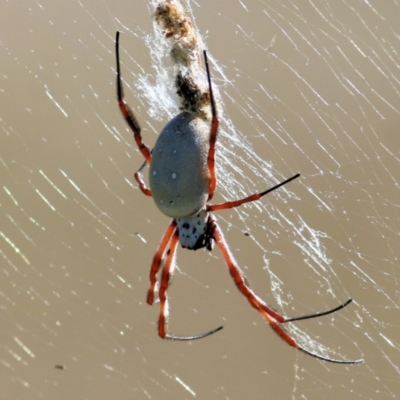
{"x":189,"y":74}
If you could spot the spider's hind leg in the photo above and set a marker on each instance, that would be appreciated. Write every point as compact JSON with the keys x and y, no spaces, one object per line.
{"x":126,"y":111}
{"x":139,"y":179}
{"x":213,"y":134}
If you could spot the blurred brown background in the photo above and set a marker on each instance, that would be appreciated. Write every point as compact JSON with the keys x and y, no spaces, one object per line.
{"x":314,"y":88}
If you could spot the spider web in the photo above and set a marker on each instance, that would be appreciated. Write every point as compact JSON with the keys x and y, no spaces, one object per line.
{"x":303,"y":87}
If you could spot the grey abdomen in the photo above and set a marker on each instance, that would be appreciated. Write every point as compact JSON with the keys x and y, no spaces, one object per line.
{"x":179,"y":177}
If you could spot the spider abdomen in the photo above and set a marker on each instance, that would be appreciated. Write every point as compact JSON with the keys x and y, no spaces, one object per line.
{"x":179,"y":176}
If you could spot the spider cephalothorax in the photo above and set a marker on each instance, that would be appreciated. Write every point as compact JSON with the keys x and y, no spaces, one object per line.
{"x":195,"y":232}
{"x":182,"y":182}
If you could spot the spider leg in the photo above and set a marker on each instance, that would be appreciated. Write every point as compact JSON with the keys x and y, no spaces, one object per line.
{"x":126,"y":110}
{"x":140,"y":181}
{"x":237,"y":203}
{"x":213,"y":135}
{"x":165,"y":279}
{"x":253,"y":197}
{"x":155,"y":266}
{"x":273,"y":318}
{"x":319,"y":314}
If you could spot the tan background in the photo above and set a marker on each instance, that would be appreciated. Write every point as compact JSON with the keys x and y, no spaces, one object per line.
{"x":77,"y":236}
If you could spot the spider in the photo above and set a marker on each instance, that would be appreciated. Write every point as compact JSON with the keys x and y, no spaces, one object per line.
{"x":182,"y":181}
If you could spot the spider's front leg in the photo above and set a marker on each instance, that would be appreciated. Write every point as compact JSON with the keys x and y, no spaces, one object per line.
{"x":272,"y":317}
{"x":158,"y":258}
{"x":165,"y":280}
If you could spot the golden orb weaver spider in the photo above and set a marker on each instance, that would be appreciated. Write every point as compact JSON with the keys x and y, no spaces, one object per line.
{"x":182,"y":181}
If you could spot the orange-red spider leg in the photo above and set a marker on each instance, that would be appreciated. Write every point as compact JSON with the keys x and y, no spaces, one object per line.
{"x":213,"y":135}
{"x":139,"y":179}
{"x":158,"y":257}
{"x":165,"y":279}
{"x":257,"y":196}
{"x":211,"y":158}
{"x":253,"y":197}
{"x":241,"y":282}
{"x":142,"y":185}
{"x":273,"y":318}
{"x":126,"y":110}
